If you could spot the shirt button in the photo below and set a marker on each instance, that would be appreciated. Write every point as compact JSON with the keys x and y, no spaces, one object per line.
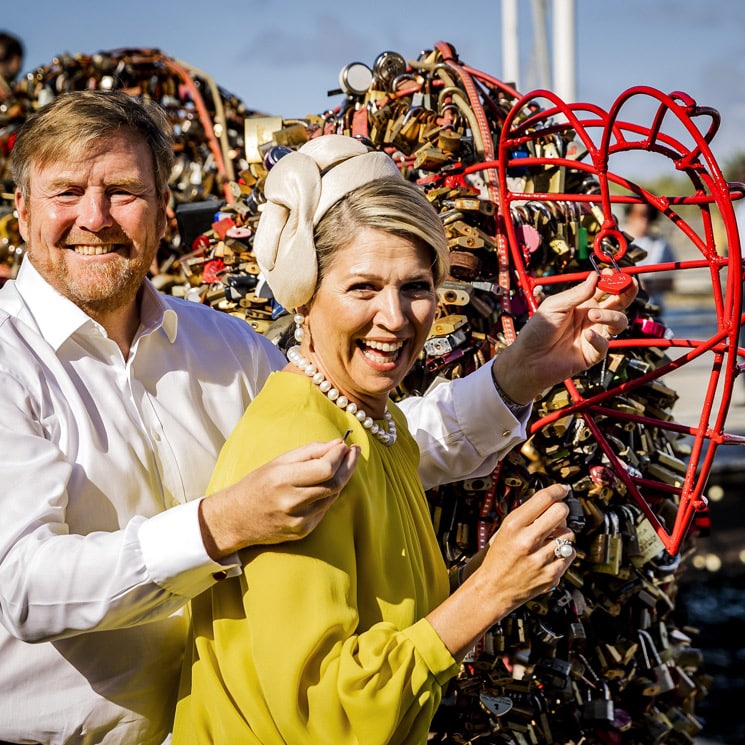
{"x":156,"y":436}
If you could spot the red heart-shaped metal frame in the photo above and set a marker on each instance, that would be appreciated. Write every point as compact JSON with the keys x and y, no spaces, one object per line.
{"x":604,"y":135}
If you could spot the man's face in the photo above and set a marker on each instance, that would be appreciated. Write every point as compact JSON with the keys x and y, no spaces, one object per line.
{"x":92,"y":225}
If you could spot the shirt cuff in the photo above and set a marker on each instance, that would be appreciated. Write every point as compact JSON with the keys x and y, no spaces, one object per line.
{"x":432,"y":650}
{"x":487,"y":421}
{"x":174,"y":553}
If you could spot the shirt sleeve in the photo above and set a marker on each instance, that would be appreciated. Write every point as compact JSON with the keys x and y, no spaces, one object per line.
{"x":54,"y":583}
{"x":463,"y":428}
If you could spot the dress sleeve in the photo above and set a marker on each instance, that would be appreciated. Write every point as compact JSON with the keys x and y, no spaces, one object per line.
{"x":308,"y":674}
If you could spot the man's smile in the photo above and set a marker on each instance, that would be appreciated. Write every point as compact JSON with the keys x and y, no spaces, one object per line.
{"x":96,"y":249}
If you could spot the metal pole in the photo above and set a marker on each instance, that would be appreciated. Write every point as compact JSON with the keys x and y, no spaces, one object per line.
{"x":565,"y":76}
{"x":540,"y":43}
{"x":510,"y":46}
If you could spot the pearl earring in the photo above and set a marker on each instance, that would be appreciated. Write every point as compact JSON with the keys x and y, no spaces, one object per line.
{"x":299,"y":331}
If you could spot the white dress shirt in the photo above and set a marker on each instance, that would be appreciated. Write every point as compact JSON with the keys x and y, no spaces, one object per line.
{"x":103,"y":462}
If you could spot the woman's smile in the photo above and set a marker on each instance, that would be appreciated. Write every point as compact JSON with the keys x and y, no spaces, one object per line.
{"x":381,"y":353}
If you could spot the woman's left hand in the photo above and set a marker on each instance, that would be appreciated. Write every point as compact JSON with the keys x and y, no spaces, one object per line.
{"x":568,"y":333}
{"x":520,"y":563}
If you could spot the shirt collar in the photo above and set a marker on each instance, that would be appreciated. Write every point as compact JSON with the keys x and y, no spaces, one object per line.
{"x":156,"y":312}
{"x":59,"y":318}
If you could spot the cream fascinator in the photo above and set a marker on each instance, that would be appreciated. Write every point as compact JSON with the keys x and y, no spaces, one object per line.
{"x":299,"y":190}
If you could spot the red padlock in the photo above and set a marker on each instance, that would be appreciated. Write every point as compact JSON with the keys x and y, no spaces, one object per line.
{"x":616,"y":282}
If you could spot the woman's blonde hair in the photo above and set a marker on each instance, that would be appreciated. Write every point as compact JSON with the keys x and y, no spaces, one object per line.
{"x":391,"y":205}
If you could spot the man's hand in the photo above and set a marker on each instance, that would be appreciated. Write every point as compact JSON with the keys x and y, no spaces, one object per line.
{"x":567,"y":334}
{"x":283,"y":500}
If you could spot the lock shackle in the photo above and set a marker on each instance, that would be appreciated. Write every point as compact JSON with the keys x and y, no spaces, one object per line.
{"x":413,"y":111}
{"x":649,"y":650}
{"x":600,"y":241}
{"x":614,"y":522}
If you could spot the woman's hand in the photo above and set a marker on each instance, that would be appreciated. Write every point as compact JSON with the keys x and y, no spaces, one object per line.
{"x":568,"y":333}
{"x":519,"y":564}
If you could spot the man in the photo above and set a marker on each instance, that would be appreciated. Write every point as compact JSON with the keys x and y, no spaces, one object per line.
{"x":11,"y":61}
{"x":116,"y":401}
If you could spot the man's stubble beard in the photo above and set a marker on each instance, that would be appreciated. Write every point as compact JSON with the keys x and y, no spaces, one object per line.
{"x":115,"y":286}
{"x":105,"y":287}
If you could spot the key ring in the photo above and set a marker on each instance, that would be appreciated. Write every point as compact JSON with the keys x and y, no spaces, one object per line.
{"x":563,"y":549}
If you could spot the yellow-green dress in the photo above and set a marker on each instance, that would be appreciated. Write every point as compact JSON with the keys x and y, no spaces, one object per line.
{"x":322,"y":640}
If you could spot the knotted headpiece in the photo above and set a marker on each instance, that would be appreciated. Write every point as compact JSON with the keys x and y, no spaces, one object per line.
{"x":299,"y":189}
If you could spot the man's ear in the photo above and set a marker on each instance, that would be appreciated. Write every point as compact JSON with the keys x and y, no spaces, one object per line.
{"x":22,"y":214}
{"x":165,"y":199}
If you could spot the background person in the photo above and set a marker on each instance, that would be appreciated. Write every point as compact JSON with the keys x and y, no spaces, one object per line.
{"x":11,"y":62}
{"x":641,"y":222}
{"x":349,"y":634}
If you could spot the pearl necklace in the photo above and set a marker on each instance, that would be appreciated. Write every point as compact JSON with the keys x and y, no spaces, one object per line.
{"x":386,"y":437}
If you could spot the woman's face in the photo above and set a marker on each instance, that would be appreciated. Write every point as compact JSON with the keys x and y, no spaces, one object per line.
{"x":371,"y":315}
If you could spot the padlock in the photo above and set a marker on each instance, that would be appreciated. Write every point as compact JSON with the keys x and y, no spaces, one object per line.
{"x":386,"y":68}
{"x":451,"y":292}
{"x":599,"y":552}
{"x":576,"y":519}
{"x":657,"y":678}
{"x":598,"y":706}
{"x":613,"y":548}
{"x":684,"y":722}
{"x":612,"y":664}
{"x":627,"y":515}
{"x":577,"y":635}
{"x":554,"y":673}
{"x":514,"y":628}
{"x":615,"y":282}
{"x":495,"y":706}
{"x":540,"y":713}
{"x":650,"y":544}
{"x":656,"y":724}
{"x":439,"y":346}
{"x":494,"y":640}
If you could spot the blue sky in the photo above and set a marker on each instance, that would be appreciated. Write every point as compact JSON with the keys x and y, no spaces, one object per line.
{"x":282,"y":57}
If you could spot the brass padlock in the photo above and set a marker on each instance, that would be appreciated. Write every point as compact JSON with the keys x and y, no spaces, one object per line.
{"x":657,"y":678}
{"x":611,"y":564}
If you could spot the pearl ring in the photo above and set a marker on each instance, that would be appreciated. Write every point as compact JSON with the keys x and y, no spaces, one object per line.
{"x":563,"y":548}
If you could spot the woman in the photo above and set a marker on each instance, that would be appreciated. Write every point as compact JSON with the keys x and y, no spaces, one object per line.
{"x":348,"y":635}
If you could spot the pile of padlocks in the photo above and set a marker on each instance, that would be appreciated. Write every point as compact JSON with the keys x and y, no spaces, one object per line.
{"x":208,"y":127}
{"x":524,"y":189}
{"x":523,"y":193}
